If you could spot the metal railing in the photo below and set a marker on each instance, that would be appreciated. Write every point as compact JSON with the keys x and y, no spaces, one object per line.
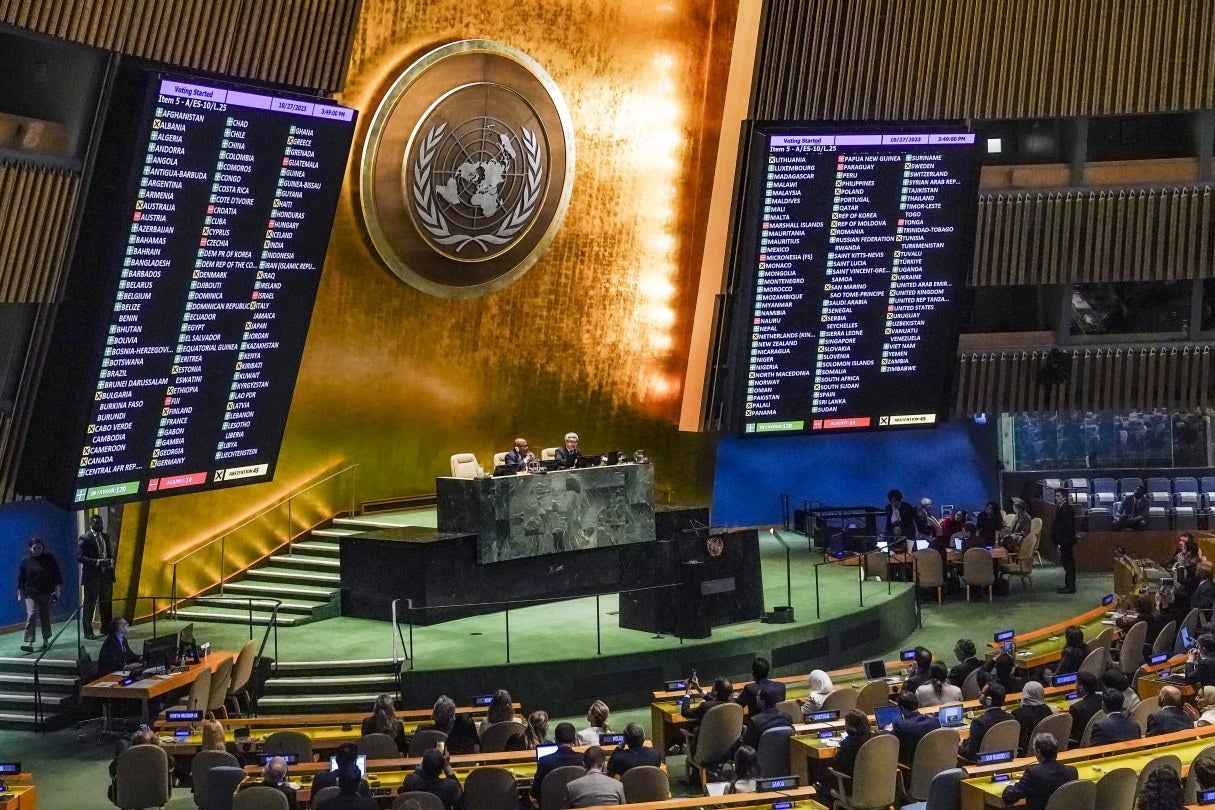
{"x":406,"y":614}
{"x":863,"y":562}
{"x":77,"y":620}
{"x":289,"y":534}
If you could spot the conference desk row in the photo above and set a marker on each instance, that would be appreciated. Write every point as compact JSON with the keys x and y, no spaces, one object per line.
{"x":20,"y":792}
{"x":110,"y":687}
{"x":385,"y":776}
{"x":1035,"y":649}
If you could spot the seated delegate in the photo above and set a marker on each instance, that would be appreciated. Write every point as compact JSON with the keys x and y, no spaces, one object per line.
{"x":518,"y":457}
{"x":567,"y":454}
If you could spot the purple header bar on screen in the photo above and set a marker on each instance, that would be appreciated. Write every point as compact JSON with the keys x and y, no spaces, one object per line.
{"x":184,"y":90}
{"x":249,"y":100}
{"x":239,"y":98}
{"x":880,"y":139}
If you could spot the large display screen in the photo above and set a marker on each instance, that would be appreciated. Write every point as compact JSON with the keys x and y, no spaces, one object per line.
{"x":853,"y":250}
{"x":174,"y":356}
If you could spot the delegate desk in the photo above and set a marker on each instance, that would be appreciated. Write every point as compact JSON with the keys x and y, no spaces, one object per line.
{"x":1045,"y":646}
{"x":385,"y":776}
{"x":667,"y":723}
{"x":327,"y":731}
{"x":19,"y":797}
{"x":980,"y":792}
{"x":110,"y":688}
{"x":809,"y":752}
{"x":802,"y":799}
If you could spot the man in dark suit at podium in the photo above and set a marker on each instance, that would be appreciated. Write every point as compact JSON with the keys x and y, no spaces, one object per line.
{"x":748,"y":698}
{"x":567,"y":454}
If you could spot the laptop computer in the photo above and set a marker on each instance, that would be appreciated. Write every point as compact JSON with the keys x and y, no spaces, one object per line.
{"x":544,"y":750}
{"x":886,"y":715}
{"x":362,"y":763}
{"x":1187,"y":641}
{"x":950,"y":715}
{"x":874,"y":670}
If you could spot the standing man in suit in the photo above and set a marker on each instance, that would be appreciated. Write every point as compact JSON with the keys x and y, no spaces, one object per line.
{"x":993,"y":699}
{"x":1063,"y":535}
{"x":1172,"y":715}
{"x":96,"y":560}
{"x":911,"y":726}
{"x":1115,"y":726}
{"x":567,"y":454}
{"x":900,"y":521}
{"x":1040,"y":781}
{"x":748,"y":698}
{"x":564,"y":735}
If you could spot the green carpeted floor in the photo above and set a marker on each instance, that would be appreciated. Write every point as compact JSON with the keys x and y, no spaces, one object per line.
{"x":72,"y":774}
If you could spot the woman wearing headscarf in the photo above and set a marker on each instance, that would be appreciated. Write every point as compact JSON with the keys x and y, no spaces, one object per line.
{"x":1032,"y":711}
{"x":820,"y":687}
{"x":1205,"y":701}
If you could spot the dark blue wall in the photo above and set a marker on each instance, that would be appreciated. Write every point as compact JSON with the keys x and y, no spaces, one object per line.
{"x":955,"y":463}
{"x":18,"y":523}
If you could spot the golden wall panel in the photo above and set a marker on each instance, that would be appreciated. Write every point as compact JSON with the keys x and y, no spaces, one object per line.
{"x":593,"y":338}
{"x":304,"y":43}
{"x":1095,"y":236}
{"x":893,"y":59}
{"x":1175,"y":376}
{"x":37,"y":207}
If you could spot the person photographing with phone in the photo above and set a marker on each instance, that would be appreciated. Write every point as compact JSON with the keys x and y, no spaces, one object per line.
{"x":97,"y":575}
{"x":38,"y":583}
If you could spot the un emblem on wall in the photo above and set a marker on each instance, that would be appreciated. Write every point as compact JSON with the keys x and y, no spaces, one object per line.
{"x":467,"y":170}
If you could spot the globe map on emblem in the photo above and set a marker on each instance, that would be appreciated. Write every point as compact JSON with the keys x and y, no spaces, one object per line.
{"x":476,"y":185}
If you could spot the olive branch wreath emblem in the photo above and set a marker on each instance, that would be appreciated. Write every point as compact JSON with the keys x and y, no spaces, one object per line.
{"x":432,"y":218}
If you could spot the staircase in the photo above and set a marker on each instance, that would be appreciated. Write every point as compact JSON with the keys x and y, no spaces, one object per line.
{"x":307,"y":580}
{"x":306,"y":687}
{"x":58,"y":678}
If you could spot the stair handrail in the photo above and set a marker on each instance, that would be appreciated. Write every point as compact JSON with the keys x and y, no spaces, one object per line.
{"x":39,"y":714}
{"x":406,"y":650}
{"x":222,"y":538}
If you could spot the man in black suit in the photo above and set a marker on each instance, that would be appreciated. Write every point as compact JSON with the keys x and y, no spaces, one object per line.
{"x":1200,"y":665}
{"x":900,"y":520}
{"x":1133,"y":511}
{"x":768,"y":717}
{"x":633,"y":752}
{"x":911,"y":726}
{"x":348,"y":797}
{"x":435,"y":776}
{"x":96,"y":558}
{"x":1088,"y":687}
{"x":1172,"y":716}
{"x":968,"y":662}
{"x":1063,"y":535}
{"x":748,"y":698}
{"x":116,"y":652}
{"x":993,"y":698}
{"x":1115,"y":726}
{"x":567,"y":454}
{"x":1040,"y":781}
{"x":564,"y":735}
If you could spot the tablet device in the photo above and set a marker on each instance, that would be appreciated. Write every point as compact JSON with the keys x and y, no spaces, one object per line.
{"x":544,"y":750}
{"x":886,"y":715}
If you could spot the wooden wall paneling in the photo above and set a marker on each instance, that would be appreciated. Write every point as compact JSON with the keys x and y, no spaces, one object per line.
{"x":36,"y":209}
